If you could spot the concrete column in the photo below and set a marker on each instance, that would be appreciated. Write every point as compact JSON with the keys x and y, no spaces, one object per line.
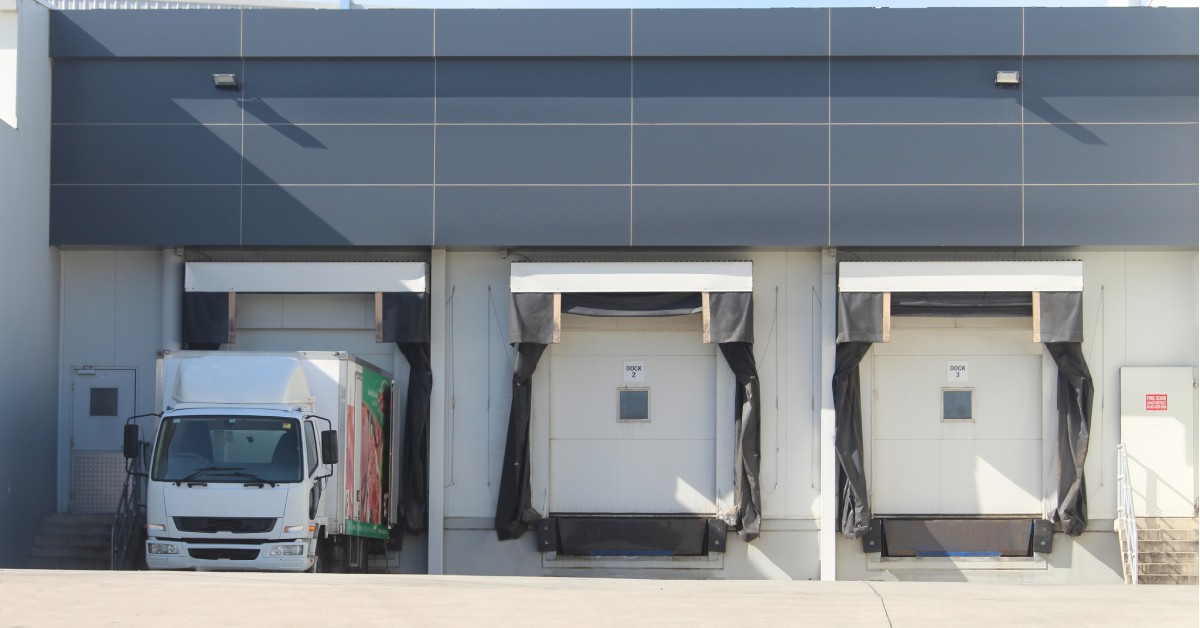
{"x":829,"y":530}
{"x":437,"y":409}
{"x":172,"y":300}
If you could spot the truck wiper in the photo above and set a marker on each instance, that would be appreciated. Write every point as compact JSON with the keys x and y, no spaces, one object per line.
{"x":257,"y":480}
{"x":200,"y":472}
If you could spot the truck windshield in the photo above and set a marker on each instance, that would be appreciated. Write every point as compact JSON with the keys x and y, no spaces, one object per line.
{"x":228,"y":449}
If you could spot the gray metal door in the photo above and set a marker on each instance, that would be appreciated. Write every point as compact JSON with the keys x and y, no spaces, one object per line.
{"x":101,"y":400}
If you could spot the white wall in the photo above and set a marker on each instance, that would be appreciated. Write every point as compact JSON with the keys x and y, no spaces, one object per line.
{"x":786,"y":285}
{"x":28,"y":281}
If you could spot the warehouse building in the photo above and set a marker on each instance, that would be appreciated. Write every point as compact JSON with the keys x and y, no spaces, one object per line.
{"x":787,"y":293}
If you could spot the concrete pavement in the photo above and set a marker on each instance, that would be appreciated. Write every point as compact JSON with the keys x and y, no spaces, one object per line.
{"x":83,"y":598}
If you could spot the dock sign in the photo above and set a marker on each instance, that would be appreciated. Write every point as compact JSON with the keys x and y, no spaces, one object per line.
{"x":956,"y":371}
{"x":635,"y":371}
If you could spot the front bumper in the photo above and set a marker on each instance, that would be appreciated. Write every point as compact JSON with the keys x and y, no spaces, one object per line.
{"x":231,"y":557}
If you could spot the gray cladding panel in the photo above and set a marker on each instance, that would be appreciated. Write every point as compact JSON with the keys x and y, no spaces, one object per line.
{"x":722,"y":33}
{"x":1111,"y":153}
{"x":145,"y":154}
{"x":533,"y":90}
{"x":560,"y":154}
{"x":930,"y":89}
{"x":1110,"y":31}
{"x":338,"y":215}
{"x":925,"y":32}
{"x":1111,"y":215}
{"x":532,"y":216}
{"x":356,"y":91}
{"x":533,"y":33}
{"x":730,"y":216}
{"x":145,"y":33}
{"x":143,"y":91}
{"x":1131,"y":89}
{"x":730,"y":154}
{"x":360,"y":154}
{"x":926,"y":216}
{"x":926,"y":154}
{"x":167,"y":215}
{"x":730,"y":90}
{"x":308,"y":33}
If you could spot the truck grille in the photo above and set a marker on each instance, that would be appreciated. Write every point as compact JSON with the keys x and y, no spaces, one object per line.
{"x":243,"y":525}
{"x":217,"y":553}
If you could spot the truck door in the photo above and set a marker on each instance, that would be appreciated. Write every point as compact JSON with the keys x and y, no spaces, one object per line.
{"x":101,"y":400}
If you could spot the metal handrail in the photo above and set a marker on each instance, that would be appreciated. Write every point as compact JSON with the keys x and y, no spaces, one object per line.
{"x":1126,"y":522}
{"x":131,"y":514}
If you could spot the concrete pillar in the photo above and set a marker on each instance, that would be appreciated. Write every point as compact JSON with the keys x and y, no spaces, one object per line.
{"x":437,"y":410}
{"x":828,"y":535}
{"x":172,"y":300}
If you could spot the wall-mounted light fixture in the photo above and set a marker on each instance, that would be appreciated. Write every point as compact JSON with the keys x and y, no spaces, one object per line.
{"x":225,"y":81}
{"x":1008,"y":78}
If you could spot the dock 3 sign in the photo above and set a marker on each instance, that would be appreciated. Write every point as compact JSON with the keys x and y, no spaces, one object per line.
{"x":956,"y":371}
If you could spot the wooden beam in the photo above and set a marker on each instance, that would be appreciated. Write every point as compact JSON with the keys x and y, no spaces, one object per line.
{"x":705,"y":317}
{"x":378,"y":317}
{"x":887,"y":317}
{"x":557,"y":317}
{"x":1037,"y":316}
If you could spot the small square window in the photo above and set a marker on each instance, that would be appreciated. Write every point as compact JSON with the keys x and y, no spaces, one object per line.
{"x":635,"y":404}
{"x":103,"y":402}
{"x":957,"y":404}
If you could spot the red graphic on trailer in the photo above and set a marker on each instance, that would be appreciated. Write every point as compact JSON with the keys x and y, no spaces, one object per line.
{"x":1156,"y":401}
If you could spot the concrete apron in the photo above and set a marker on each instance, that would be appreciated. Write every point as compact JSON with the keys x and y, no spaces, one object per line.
{"x":54,"y":598}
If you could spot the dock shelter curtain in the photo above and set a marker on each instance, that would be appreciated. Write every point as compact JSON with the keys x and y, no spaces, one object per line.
{"x":532,"y":328}
{"x":860,"y":324}
{"x":406,"y":323}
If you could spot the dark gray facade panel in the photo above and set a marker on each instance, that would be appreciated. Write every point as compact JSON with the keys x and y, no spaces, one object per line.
{"x":160,"y":215}
{"x":1142,"y":215}
{"x":1111,"y":153}
{"x":145,"y":154}
{"x":532,"y":216}
{"x":533,"y":33}
{"x":929,"y":89}
{"x":723,"y":33}
{"x":357,"y":91}
{"x":730,"y":216}
{"x":533,"y":90}
{"x":308,"y":33}
{"x":730,"y":90}
{"x":925,"y":32}
{"x":145,"y":33}
{"x":954,"y":154}
{"x":559,"y":154}
{"x":926,"y":216}
{"x":1131,"y":89}
{"x":143,"y":91}
{"x":730,"y":154}
{"x":337,"y":215}
{"x":1110,"y":31}
{"x":290,"y":154}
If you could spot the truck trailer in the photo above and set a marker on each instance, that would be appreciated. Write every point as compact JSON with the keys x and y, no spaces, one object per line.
{"x":268,"y":462}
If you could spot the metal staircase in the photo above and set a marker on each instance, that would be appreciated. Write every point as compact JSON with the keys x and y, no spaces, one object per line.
{"x":1154,"y":550}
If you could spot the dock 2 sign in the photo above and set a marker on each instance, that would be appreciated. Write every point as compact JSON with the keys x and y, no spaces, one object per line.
{"x":957,"y":371}
{"x":635,"y":371}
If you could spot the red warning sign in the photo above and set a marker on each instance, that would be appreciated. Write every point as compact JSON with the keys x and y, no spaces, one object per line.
{"x":1156,"y":402}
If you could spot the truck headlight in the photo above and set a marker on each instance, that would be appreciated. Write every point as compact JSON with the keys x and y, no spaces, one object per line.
{"x":287,"y":550}
{"x":291,"y":529}
{"x":162,"y":548}
{"x":155,"y":527}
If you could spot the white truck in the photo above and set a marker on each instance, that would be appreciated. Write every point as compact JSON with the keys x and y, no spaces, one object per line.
{"x":269,"y":461}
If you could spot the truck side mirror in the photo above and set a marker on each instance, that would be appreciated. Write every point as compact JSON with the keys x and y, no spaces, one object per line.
{"x":131,"y":444}
{"x":329,"y":447}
